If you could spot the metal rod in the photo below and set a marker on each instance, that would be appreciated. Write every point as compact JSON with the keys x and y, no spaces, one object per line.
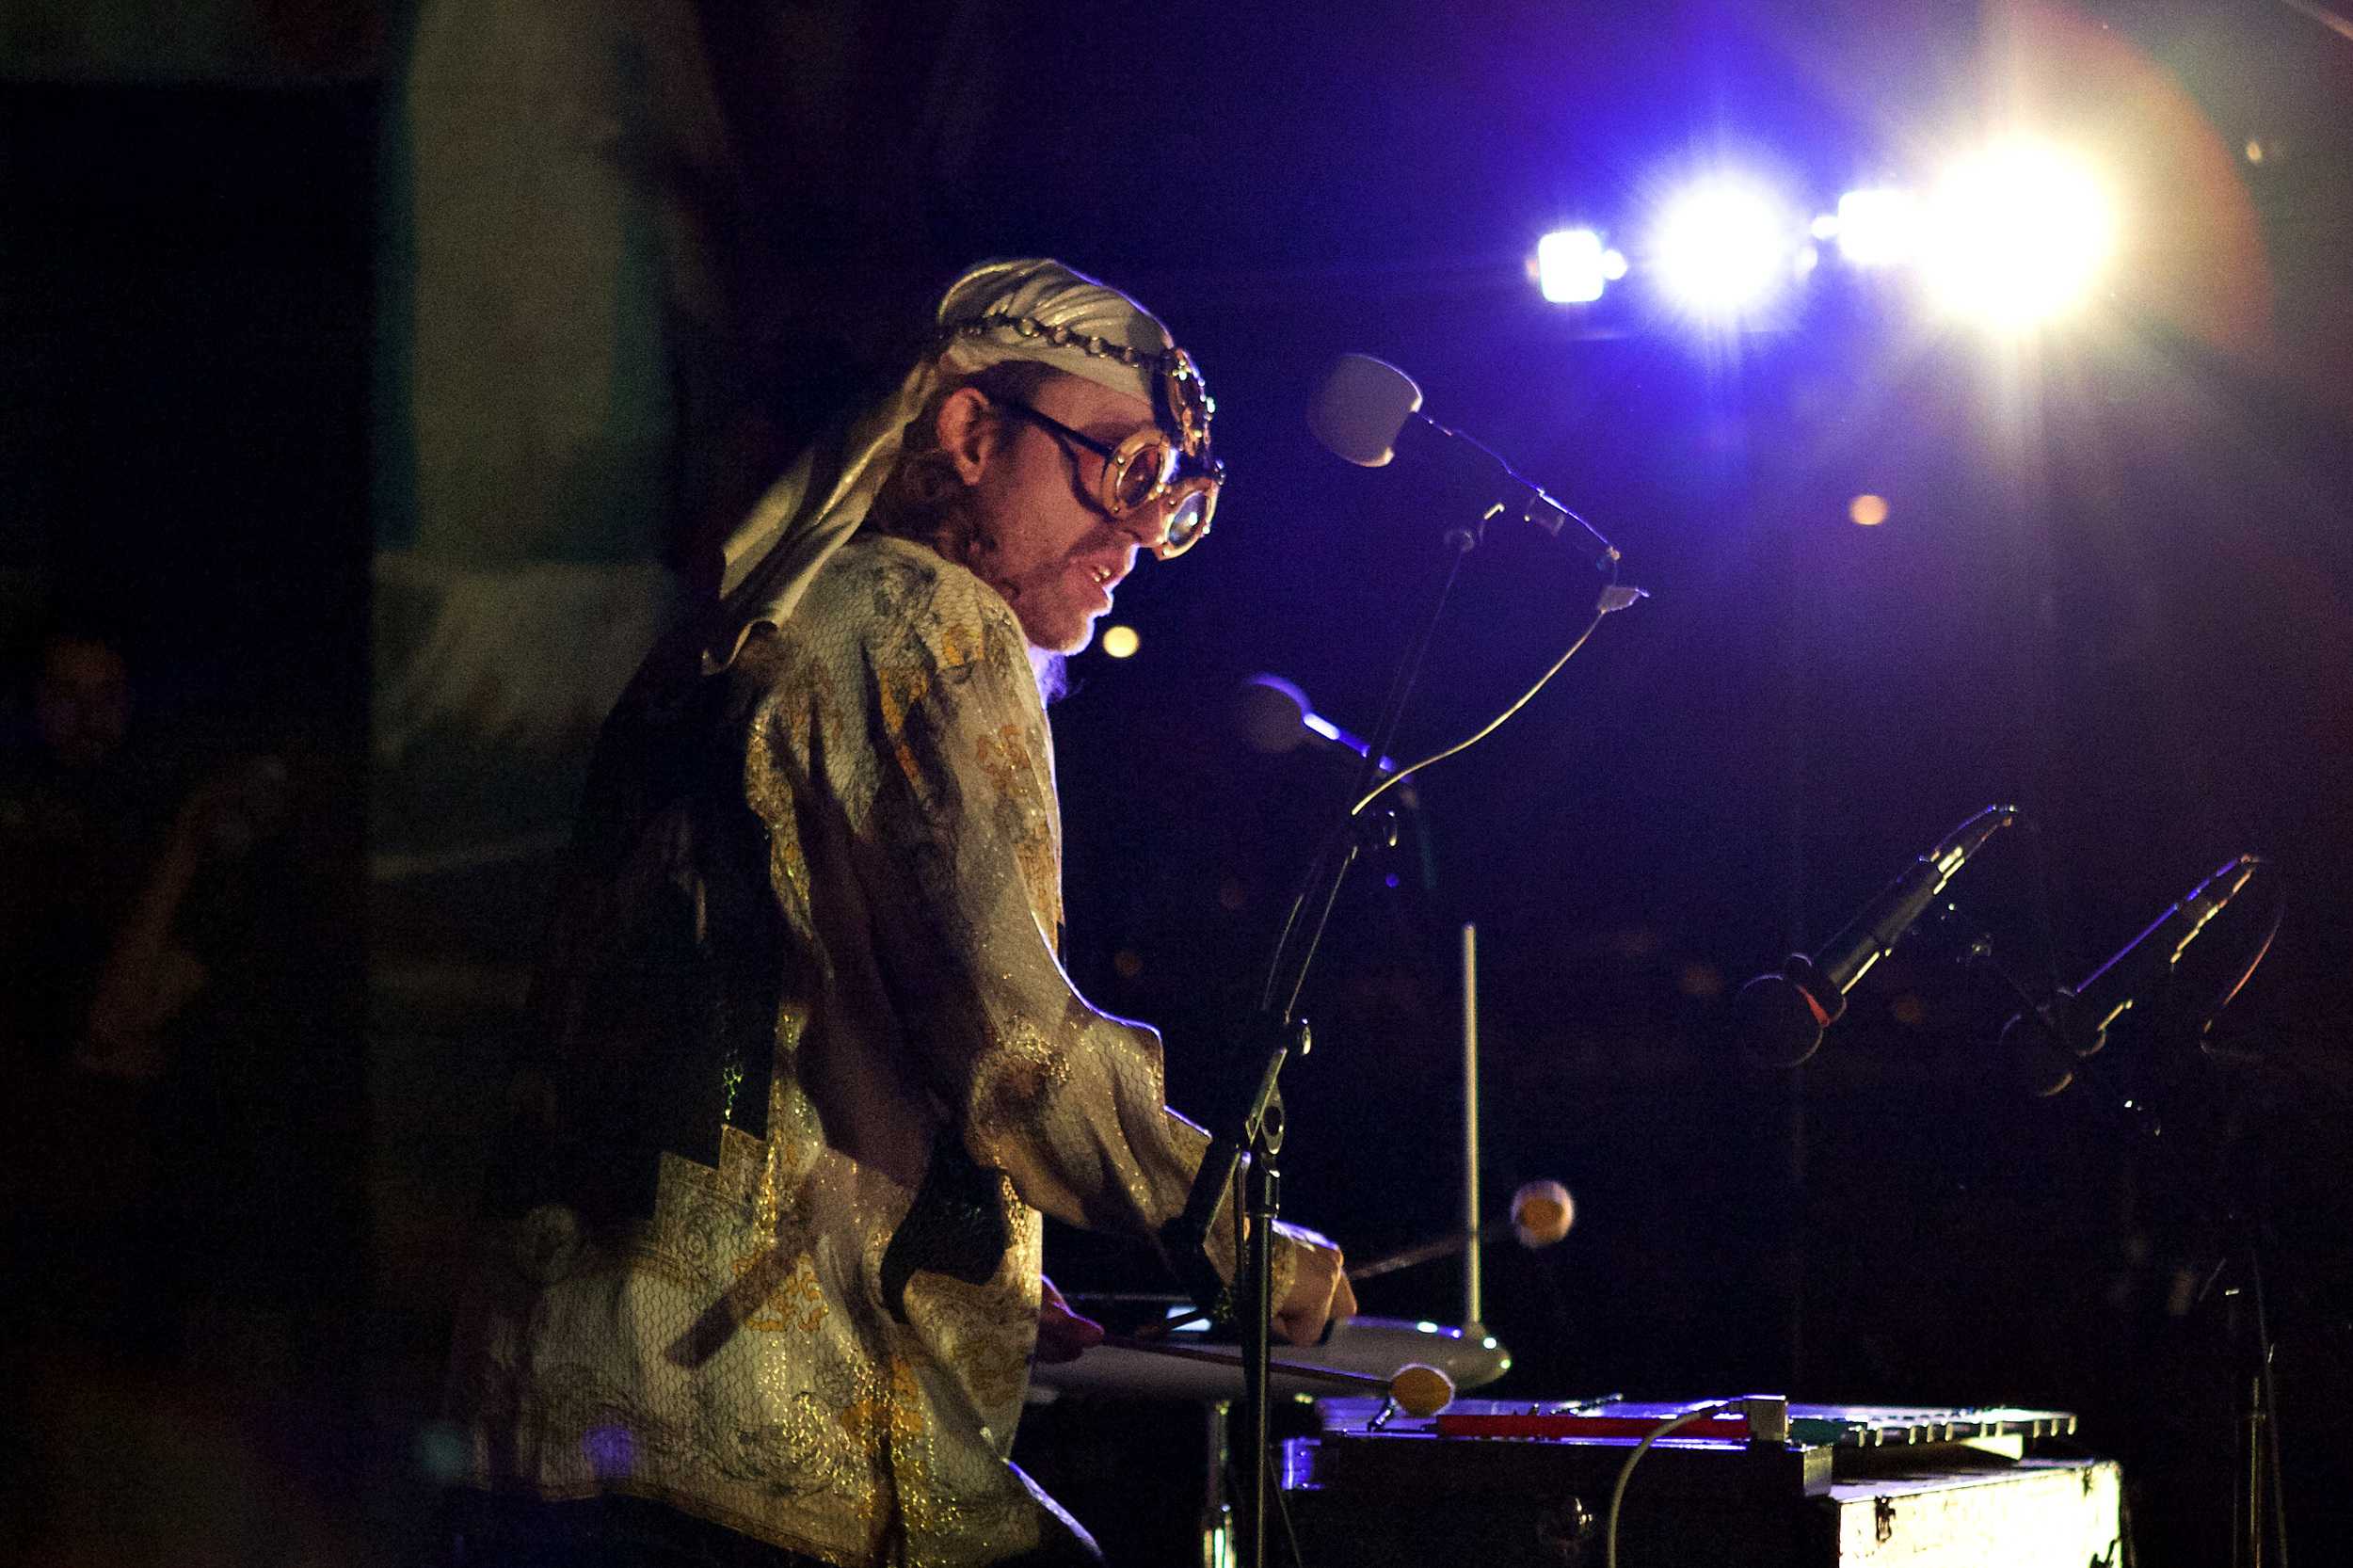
{"x":1262,"y":1201}
{"x":1217,"y":1513}
{"x":2270,"y":1487}
{"x":1472,"y":1314}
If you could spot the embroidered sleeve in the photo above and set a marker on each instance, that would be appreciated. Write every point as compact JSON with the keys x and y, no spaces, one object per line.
{"x":962,"y":874}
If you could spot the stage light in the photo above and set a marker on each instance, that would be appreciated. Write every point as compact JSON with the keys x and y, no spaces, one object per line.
{"x":1724,"y":246}
{"x":1879,"y":227}
{"x":2017,"y":234}
{"x":1120,"y":641}
{"x":1573,"y":266}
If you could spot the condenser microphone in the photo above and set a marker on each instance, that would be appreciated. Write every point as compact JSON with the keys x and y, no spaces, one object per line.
{"x":2050,"y":1042}
{"x":1368,"y":410}
{"x":1779,"y":1018}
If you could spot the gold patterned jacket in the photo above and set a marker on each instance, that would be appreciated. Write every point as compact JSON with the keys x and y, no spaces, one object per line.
{"x":804,"y":1070}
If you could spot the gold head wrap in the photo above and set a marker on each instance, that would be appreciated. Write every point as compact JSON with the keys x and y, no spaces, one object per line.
{"x":1018,"y":310}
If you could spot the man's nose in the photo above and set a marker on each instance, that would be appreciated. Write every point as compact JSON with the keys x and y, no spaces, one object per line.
{"x":1147,"y":524}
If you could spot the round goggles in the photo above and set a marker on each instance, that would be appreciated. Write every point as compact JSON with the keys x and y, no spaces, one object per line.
{"x":1149,"y":469}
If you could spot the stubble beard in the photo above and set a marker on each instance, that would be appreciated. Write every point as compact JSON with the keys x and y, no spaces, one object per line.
{"x":965,"y":537}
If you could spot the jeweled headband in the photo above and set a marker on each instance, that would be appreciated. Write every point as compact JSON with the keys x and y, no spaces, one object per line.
{"x":1185,"y":399}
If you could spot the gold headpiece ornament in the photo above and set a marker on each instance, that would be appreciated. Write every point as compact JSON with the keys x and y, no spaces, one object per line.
{"x":1029,"y":308}
{"x":1183,"y":399}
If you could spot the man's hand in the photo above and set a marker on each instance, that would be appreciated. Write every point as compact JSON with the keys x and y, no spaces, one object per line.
{"x":1062,"y":1334}
{"x":1319,"y":1295}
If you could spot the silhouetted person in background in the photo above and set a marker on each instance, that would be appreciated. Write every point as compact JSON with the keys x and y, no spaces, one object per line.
{"x":176,"y":1224}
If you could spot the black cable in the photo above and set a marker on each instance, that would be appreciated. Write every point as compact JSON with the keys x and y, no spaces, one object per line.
{"x":1613,"y":596}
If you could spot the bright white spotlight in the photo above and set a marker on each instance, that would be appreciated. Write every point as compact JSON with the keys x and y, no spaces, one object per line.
{"x":1878,"y":228}
{"x":1724,"y":246}
{"x":2017,"y":234}
{"x":1572,"y":267}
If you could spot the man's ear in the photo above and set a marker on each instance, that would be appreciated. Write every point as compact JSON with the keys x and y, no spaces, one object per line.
{"x":968,"y":431}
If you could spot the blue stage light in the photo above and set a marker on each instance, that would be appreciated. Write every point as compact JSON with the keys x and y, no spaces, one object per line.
{"x":1724,"y":247}
{"x":1573,"y":266}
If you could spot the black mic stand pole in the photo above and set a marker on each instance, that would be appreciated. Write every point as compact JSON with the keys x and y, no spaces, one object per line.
{"x":1251,"y":1119}
{"x":2258,"y":1490}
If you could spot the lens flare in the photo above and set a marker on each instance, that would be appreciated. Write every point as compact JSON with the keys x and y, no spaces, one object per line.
{"x":1722,"y":247}
{"x":1572,"y":267}
{"x":2018,"y":234}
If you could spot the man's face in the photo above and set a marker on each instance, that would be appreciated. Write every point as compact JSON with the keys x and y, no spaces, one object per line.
{"x":83,"y":704}
{"x":1049,"y":546}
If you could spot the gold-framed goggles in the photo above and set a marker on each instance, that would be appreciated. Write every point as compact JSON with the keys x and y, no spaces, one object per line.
{"x":1168,"y":463}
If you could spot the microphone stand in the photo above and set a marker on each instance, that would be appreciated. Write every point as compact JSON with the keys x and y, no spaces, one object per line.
{"x":2259,"y":1494}
{"x":1246,"y":1128}
{"x":2259,"y":1524}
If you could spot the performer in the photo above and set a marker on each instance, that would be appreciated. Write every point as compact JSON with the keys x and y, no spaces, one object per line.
{"x":763,"y":1274}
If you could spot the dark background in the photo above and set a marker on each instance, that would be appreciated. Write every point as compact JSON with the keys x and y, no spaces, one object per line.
{"x":2112,"y":589}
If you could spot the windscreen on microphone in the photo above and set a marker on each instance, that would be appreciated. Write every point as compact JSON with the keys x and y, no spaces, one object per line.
{"x":2035,"y":1053}
{"x":1360,"y":409}
{"x":1778,"y":1019}
{"x":1272,"y":714}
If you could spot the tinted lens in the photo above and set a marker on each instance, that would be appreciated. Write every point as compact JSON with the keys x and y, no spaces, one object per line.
{"x":1137,"y":472}
{"x":1188,"y":519}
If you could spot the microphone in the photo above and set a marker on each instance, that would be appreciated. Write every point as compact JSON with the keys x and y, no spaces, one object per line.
{"x":1367,"y":409}
{"x":1274,"y":717}
{"x":2075,"y":1024}
{"x":1779,"y":1018}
